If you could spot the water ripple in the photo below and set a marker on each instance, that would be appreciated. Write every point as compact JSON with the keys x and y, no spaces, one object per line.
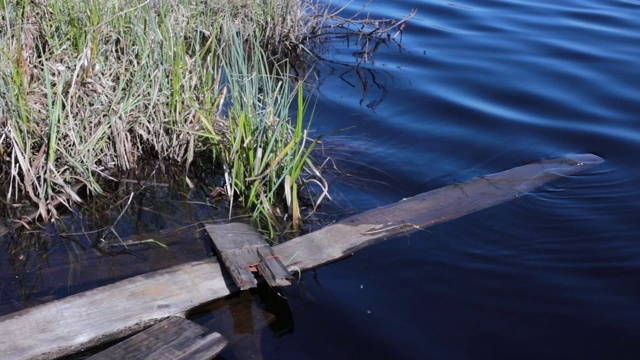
{"x":482,"y":86}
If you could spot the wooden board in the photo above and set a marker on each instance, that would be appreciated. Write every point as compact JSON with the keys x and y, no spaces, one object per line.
{"x":110,"y":312}
{"x":450,"y":202}
{"x":272,"y":269}
{"x":243,"y":251}
{"x":175,"y":338}
{"x":58,"y":275}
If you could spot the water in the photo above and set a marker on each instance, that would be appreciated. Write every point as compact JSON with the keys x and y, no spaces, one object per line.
{"x":477,"y":87}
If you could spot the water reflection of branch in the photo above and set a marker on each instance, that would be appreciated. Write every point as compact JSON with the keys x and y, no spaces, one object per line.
{"x":33,"y":258}
{"x":366,"y":78}
{"x":365,"y":34}
{"x":362,"y":76}
{"x":367,"y":46}
{"x":368,"y":32}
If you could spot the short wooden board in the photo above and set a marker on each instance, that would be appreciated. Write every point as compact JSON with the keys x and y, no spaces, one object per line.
{"x":272,"y":269}
{"x":244,"y":251}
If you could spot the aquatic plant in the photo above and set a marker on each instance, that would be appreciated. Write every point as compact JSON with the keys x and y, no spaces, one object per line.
{"x":88,"y":88}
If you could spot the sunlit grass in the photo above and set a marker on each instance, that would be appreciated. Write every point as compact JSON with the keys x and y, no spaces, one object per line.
{"x":267,"y":151}
{"x":90,"y":87}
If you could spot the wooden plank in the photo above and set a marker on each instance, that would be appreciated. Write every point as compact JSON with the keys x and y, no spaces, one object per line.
{"x":111,"y":312}
{"x":450,"y":202}
{"x":233,"y":236}
{"x":272,"y":269}
{"x":236,"y":245}
{"x":175,"y":338}
{"x":244,"y":251}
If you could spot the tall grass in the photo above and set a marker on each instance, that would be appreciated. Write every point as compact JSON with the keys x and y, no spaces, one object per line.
{"x":88,"y":87}
{"x":267,"y":152}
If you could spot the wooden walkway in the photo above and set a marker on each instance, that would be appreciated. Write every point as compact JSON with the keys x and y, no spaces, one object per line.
{"x":111,"y":312}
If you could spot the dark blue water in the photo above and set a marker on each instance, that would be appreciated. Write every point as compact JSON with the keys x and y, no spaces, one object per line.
{"x":476,"y":87}
{"x":479,"y":87}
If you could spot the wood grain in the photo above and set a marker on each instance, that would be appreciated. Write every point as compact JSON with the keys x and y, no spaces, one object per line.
{"x":450,"y":202}
{"x":110,"y":312}
{"x":175,"y":338}
{"x":244,"y":251}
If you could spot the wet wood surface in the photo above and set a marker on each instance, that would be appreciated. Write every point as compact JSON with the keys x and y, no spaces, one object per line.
{"x":244,"y":251}
{"x":59,"y":275}
{"x":175,"y":338}
{"x":110,"y":312}
{"x":117,"y":310}
{"x":342,"y":239}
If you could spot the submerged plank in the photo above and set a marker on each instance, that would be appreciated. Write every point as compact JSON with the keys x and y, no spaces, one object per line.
{"x":175,"y":338}
{"x":111,"y":312}
{"x":241,"y":320}
{"x":42,"y":278}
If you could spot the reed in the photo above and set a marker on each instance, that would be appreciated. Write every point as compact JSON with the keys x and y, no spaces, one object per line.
{"x":267,"y":150}
{"x":89,"y":87}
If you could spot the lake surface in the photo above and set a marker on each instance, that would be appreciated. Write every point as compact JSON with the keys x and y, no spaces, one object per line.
{"x":477,"y":87}
{"x":480,"y":87}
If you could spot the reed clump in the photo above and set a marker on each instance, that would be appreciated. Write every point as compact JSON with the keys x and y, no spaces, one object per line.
{"x":89,"y":87}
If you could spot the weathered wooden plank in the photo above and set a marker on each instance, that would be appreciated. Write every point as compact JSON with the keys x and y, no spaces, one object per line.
{"x":272,"y":269}
{"x":450,"y":202}
{"x":235,"y":262}
{"x":110,"y":312}
{"x":175,"y":338}
{"x":243,"y":251}
{"x":233,"y":236}
{"x":236,"y":245}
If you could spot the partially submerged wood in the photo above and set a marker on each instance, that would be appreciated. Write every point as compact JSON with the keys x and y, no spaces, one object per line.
{"x":110,"y":312}
{"x":143,"y":257}
{"x":444,"y":204}
{"x":175,"y":338}
{"x":243,"y":250}
{"x":240,"y":320}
